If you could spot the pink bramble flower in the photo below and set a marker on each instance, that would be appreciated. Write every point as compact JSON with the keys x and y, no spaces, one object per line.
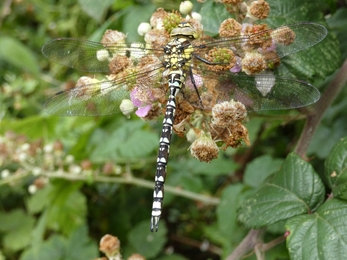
{"x":238,"y":66}
{"x":142,"y":98}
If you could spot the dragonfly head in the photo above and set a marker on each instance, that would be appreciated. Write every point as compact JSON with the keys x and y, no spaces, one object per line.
{"x":184,"y":29}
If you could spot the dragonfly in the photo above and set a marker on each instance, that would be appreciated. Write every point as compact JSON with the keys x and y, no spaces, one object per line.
{"x":188,"y":68}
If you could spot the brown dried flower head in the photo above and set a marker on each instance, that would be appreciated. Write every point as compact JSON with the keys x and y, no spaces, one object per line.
{"x":230,"y":28}
{"x":157,"y":37}
{"x":109,"y":245}
{"x":204,"y":148}
{"x":113,"y":36}
{"x":234,"y":135}
{"x":83,"y":81}
{"x":225,"y":58}
{"x":231,"y":1}
{"x":253,"y":63}
{"x":260,"y":36}
{"x":119,"y":63}
{"x":272,"y":59}
{"x":259,"y":9}
{"x":228,"y":112}
{"x":283,"y":35}
{"x":157,"y":18}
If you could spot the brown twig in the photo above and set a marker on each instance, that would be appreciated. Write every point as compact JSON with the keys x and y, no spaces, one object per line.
{"x":198,"y":244}
{"x":247,"y":244}
{"x":321,"y":106}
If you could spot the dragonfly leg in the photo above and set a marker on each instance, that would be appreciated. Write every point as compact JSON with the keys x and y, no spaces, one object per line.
{"x":207,"y":61}
{"x":194,"y":84}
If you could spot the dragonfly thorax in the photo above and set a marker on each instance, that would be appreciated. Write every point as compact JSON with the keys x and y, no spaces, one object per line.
{"x":185,"y":30}
{"x":178,"y":53}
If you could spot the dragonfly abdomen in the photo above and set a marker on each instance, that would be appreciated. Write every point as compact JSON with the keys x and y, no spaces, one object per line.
{"x":176,"y":79}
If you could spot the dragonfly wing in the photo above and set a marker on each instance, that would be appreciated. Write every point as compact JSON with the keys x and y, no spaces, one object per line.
{"x":264,"y":91}
{"x":267,"y":92}
{"x":101,"y":98}
{"x":285,"y":40}
{"x":98,"y":99}
{"x":306,"y":35}
{"x":76,"y":53}
{"x":92,"y":56}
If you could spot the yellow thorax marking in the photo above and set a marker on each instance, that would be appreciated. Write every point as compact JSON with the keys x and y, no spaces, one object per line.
{"x":181,"y":49}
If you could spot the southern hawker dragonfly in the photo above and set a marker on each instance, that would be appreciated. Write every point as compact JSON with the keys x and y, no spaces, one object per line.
{"x":197,"y":72}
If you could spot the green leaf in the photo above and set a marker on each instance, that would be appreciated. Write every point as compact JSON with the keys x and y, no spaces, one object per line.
{"x":135,"y":15}
{"x":322,"y":235}
{"x":37,"y":202}
{"x":338,"y":24}
{"x":294,"y":190}
{"x":127,"y":141}
{"x":213,"y":234}
{"x":67,"y":207}
{"x":33,"y":127}
{"x":189,"y":182}
{"x":139,"y":144}
{"x":227,"y":211}
{"x":38,"y":234}
{"x":340,"y":185}
{"x":17,"y":54}
{"x":17,"y":227}
{"x":321,"y":59}
{"x":146,"y":243}
{"x":95,"y":9}
{"x":52,"y":249}
{"x":213,"y":15}
{"x":78,"y":247}
{"x":258,"y":170}
{"x":292,"y":11}
{"x":333,"y":127}
{"x":217,"y":167}
{"x":336,"y":162}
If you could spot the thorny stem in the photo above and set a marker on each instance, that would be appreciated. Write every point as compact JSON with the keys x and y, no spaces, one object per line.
{"x":321,"y":106}
{"x":127,"y":178}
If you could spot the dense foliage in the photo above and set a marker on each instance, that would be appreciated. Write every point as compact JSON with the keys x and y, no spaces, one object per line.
{"x":68,"y":181}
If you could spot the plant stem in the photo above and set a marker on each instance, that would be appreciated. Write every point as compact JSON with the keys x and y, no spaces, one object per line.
{"x":129,"y":179}
{"x":247,"y":244}
{"x":321,"y":106}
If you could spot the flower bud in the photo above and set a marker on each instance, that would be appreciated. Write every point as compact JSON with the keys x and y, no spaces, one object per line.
{"x":143,"y":28}
{"x":204,"y":148}
{"x":186,"y":7}
{"x":127,"y":107}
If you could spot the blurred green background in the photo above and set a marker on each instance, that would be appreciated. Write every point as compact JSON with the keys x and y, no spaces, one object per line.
{"x":66,"y":182}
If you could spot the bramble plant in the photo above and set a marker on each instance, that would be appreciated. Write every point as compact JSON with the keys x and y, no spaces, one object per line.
{"x":69,"y":182}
